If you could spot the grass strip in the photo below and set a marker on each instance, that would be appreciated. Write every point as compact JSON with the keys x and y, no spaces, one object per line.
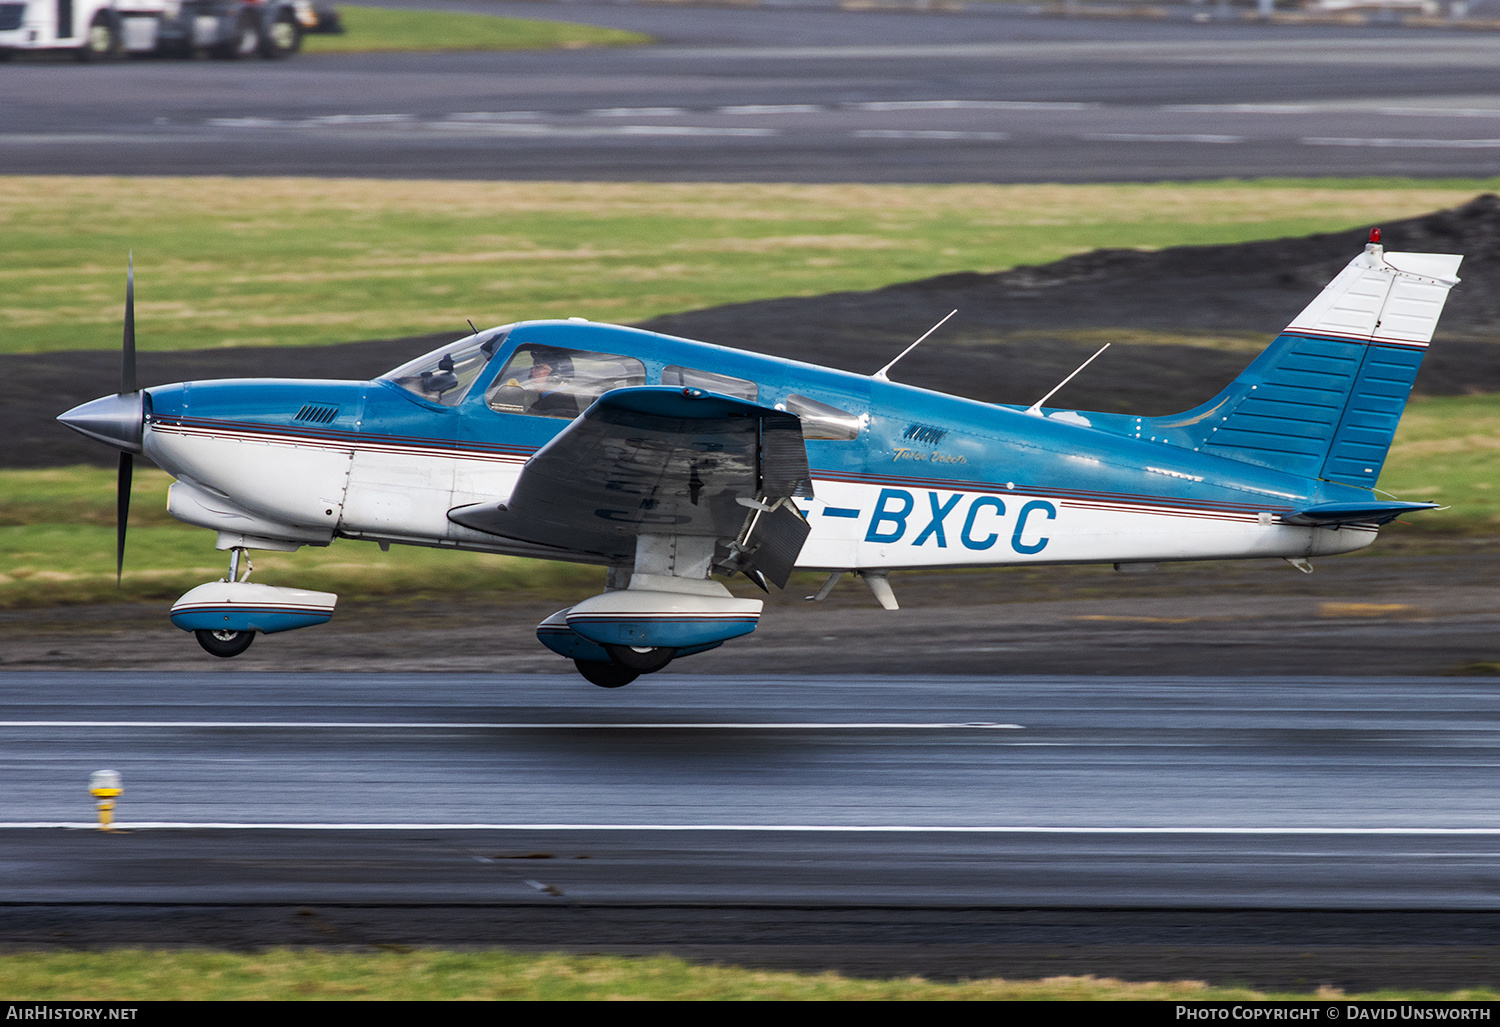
{"x":57,"y":528}
{"x":65,"y":562}
{"x":427,"y":974}
{"x":375,"y":29}
{"x":1447,"y":450}
{"x":295,"y":261}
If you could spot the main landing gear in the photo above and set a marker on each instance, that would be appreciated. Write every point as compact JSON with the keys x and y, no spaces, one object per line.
{"x":626,"y":663}
{"x":605,"y":675}
{"x":224,"y":643}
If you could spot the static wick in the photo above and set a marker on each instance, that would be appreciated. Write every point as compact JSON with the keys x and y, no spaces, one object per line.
{"x":105,"y":786}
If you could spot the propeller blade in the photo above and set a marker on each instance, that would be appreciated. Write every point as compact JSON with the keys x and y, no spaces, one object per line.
{"x":127,"y":348}
{"x":122,"y":513}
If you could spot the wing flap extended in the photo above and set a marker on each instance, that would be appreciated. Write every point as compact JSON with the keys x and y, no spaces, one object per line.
{"x":772,"y":545}
{"x":650,"y":460}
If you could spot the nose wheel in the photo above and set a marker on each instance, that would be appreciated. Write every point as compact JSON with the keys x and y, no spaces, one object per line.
{"x":225,"y":643}
{"x":221,"y":642}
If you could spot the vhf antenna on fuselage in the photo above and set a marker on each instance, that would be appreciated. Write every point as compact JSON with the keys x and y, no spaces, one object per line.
{"x":881,"y":373}
{"x":1035,"y":410}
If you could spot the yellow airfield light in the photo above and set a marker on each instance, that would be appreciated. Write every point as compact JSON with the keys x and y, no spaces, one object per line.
{"x":105,"y":786}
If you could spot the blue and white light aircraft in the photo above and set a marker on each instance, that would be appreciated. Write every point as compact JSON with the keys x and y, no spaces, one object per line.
{"x":669,"y":461}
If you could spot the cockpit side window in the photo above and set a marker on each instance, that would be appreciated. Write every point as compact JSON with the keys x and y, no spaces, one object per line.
{"x":821,"y":421}
{"x":548,"y":381}
{"x":708,"y":381}
{"x":444,"y":375}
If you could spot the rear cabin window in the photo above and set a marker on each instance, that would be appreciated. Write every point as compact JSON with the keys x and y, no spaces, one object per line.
{"x":548,"y":381}
{"x":708,"y":381}
{"x":821,"y":421}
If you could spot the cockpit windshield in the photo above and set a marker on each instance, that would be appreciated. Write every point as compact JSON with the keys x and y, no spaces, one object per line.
{"x":444,"y":375}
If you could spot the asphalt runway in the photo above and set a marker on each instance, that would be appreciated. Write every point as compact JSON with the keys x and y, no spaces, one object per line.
{"x":1272,"y":757}
{"x":810,"y":821}
{"x":788,"y":94}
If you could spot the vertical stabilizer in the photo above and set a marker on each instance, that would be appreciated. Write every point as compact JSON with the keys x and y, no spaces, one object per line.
{"x":1324,"y":399}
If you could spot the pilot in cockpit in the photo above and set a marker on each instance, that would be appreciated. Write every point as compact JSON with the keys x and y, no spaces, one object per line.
{"x":549,"y":380}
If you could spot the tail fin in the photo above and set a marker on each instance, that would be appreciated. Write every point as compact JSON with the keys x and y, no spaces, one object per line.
{"x":1323,"y":400}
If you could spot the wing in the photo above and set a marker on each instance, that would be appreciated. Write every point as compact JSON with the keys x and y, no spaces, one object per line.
{"x":656,"y":461}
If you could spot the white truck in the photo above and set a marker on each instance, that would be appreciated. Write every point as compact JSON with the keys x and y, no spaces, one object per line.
{"x":108,"y":29}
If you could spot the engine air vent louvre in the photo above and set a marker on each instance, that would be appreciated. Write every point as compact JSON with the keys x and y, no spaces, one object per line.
{"x":924,"y":433}
{"x":316,"y":413}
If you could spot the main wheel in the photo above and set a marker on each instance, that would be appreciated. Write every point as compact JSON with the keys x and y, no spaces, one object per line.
{"x":246,"y":40}
{"x":605,"y":675}
{"x":642,"y":661}
{"x":283,"y":38}
{"x":103,"y":42}
{"x":225,"y":643}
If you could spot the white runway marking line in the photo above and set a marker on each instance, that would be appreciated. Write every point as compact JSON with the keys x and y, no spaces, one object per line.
{"x":248,"y":123}
{"x":1403,"y":53}
{"x":1330,"y":107}
{"x":473,"y":118}
{"x":930,"y":133}
{"x":358,"y":119}
{"x":490,"y":115}
{"x":1157,"y":137}
{"x":774,"y":108}
{"x":501,"y":123}
{"x":399,"y":725}
{"x":983,"y":105}
{"x":692,"y":130}
{"x":1239,"y":108}
{"x":637,"y":112}
{"x":89,"y":138}
{"x":1425,"y":144}
{"x":176,"y":825}
{"x":530,"y":130}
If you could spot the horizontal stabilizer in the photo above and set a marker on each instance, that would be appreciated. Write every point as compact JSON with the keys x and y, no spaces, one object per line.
{"x":1327,"y":515}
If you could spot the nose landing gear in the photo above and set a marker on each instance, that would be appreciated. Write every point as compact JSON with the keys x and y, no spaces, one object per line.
{"x":224,"y":642}
{"x":226,"y":615}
